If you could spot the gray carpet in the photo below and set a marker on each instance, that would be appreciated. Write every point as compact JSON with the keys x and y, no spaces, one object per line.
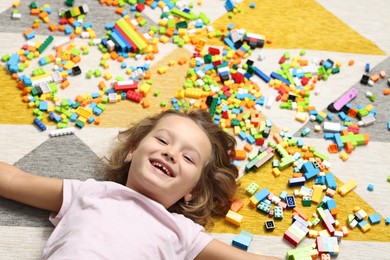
{"x":378,"y":131}
{"x":97,"y":16}
{"x":59,"y":157}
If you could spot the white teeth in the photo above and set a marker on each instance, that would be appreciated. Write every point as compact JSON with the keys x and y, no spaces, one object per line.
{"x":162,"y":167}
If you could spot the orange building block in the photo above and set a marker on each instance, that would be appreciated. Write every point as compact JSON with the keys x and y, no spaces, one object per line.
{"x":52,"y":27}
{"x":248,"y":147}
{"x":349,"y":147}
{"x":240,"y":155}
{"x":352,"y":112}
{"x":374,"y":77}
{"x":299,"y":211}
{"x":237,"y":205}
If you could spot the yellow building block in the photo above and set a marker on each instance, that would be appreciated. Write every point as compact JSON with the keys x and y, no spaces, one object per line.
{"x":317,"y":194}
{"x":347,"y":187}
{"x":276,"y":172}
{"x":234,"y":218}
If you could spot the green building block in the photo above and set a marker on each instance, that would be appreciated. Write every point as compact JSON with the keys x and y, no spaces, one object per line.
{"x":252,"y":188}
{"x":264,"y":207}
{"x":306,"y":201}
{"x":46,"y":43}
{"x":278,"y":212}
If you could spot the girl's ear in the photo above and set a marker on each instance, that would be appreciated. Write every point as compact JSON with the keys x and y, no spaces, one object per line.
{"x":129,"y":156}
{"x":188,"y":197}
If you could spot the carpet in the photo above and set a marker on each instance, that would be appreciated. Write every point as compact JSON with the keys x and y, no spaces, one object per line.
{"x":323,"y":30}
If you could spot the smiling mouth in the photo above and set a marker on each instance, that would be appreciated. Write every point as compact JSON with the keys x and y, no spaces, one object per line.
{"x":162,"y":168}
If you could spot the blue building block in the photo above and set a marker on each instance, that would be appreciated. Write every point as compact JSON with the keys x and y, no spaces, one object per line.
{"x":328,"y":136}
{"x":250,"y":139}
{"x":320,"y":180}
{"x":362,"y":223}
{"x":298,"y":181}
{"x":310,"y":170}
{"x":338,"y":141}
{"x":370,"y":187}
{"x":262,"y":75}
{"x":283,"y":195}
{"x":242,"y":135}
{"x":277,"y":76}
{"x":39,"y":124}
{"x":331,"y":203}
{"x":243,"y":240}
{"x":367,"y":67}
{"x":43,"y":105}
{"x":374,"y":218}
{"x":229,"y":5}
{"x":300,"y":142}
{"x":262,"y":194}
{"x":290,"y":200}
{"x":330,"y":181}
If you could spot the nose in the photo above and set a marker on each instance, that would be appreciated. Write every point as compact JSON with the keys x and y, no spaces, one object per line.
{"x":170,"y":156}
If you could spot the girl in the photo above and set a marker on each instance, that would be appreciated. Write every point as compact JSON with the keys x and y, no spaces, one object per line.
{"x":167,"y":177}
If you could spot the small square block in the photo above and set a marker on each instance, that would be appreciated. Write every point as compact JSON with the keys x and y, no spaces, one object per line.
{"x":269,"y":225}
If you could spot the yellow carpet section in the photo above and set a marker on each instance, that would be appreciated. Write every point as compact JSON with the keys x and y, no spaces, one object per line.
{"x":253,"y":220}
{"x":12,"y":109}
{"x":302,"y":24}
{"x":126,"y":112}
{"x":121,"y":114}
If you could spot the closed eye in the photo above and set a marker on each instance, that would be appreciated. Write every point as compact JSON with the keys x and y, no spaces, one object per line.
{"x":162,"y":140}
{"x":189,"y":159}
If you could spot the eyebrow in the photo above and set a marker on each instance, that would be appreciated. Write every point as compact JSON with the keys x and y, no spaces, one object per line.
{"x":187,"y":146}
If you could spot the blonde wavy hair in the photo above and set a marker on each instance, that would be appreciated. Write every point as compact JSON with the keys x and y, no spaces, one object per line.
{"x":215,"y":191}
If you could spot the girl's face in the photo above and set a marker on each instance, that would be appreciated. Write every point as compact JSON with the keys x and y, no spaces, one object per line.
{"x":167,"y":164}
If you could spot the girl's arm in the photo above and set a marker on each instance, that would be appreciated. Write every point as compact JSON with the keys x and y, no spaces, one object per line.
{"x":36,"y":191}
{"x":218,"y":250}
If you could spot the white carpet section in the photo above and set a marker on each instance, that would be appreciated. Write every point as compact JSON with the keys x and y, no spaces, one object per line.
{"x":369,"y":18}
{"x":26,"y":243}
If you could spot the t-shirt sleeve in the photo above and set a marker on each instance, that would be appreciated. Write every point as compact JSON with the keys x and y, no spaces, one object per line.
{"x":201,"y":241}
{"x":194,"y":234}
{"x":69,"y":189}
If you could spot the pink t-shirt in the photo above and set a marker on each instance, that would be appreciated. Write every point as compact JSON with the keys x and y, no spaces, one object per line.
{"x":106,"y":220}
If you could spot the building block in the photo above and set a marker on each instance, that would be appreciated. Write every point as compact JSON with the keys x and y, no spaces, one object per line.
{"x":347,"y":187}
{"x":243,"y":240}
{"x":259,"y":196}
{"x":269,"y":225}
{"x":330,"y":181}
{"x":234,"y":218}
{"x":264,"y":207}
{"x":134,"y":96}
{"x":39,"y":124}
{"x":296,"y":233}
{"x":237,"y":205}
{"x":290,"y":200}
{"x":310,"y":170}
{"x":278,"y":212}
{"x":298,"y":181}
{"x":306,"y":252}
{"x":343,"y":100}
{"x":252,"y":188}
{"x":374,"y":218}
